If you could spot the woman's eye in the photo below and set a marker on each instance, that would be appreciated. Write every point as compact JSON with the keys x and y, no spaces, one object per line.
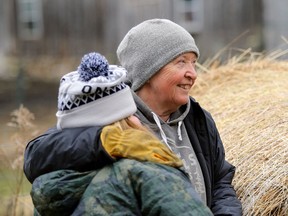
{"x":182,"y":61}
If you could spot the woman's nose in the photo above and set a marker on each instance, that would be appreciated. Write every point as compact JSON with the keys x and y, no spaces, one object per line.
{"x":191,"y":72}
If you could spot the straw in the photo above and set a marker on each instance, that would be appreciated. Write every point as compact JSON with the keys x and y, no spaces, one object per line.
{"x":248,"y":98}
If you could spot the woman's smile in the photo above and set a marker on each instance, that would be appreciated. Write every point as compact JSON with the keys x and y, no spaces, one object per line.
{"x":185,"y":86}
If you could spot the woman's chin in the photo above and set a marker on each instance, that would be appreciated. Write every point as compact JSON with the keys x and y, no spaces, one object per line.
{"x":182,"y":100}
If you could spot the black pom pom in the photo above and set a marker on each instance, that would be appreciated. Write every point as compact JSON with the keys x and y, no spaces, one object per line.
{"x":93,"y":65}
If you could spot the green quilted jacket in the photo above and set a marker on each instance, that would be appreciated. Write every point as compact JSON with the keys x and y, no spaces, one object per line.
{"x":127,"y":187}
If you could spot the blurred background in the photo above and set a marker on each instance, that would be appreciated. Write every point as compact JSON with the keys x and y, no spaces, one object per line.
{"x":40,"y":40}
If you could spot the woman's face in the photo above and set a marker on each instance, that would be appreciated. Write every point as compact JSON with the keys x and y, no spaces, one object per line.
{"x":171,"y":85}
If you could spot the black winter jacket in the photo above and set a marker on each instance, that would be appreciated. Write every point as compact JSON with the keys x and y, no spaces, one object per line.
{"x":218,"y":173}
{"x":81,"y":149}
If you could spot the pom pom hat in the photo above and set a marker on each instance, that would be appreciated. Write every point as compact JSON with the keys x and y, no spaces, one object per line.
{"x":151,"y":45}
{"x":94,"y":95}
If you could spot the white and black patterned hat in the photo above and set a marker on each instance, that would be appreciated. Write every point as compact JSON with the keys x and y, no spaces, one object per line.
{"x":94,"y":95}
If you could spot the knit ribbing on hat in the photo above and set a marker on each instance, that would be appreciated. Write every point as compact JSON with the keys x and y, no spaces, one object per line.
{"x":149,"y":46}
{"x":94,"y":95}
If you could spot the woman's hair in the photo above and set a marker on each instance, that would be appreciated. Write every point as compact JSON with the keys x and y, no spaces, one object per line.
{"x":126,"y":123}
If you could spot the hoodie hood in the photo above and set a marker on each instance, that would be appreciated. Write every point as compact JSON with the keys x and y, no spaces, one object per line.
{"x":144,"y":110}
{"x":163,"y":129}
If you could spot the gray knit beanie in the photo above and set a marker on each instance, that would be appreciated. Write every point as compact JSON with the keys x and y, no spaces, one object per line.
{"x":149,"y":46}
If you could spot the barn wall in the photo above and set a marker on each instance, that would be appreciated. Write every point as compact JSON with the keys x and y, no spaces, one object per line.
{"x":275,"y":27}
{"x":73,"y":27}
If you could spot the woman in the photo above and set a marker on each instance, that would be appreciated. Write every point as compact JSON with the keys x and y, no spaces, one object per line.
{"x":160,"y":58}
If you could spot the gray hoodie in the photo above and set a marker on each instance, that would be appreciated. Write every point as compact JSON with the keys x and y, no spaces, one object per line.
{"x":173,"y":133}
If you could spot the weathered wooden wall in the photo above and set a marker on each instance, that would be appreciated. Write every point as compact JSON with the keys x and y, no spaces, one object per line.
{"x":71,"y":27}
{"x":275,"y":29}
{"x":74,"y":27}
{"x":224,"y":23}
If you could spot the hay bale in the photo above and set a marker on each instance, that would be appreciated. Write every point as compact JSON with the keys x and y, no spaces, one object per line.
{"x":249,"y":101}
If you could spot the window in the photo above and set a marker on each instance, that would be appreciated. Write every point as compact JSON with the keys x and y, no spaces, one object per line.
{"x":189,"y":14}
{"x":30,"y":21}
